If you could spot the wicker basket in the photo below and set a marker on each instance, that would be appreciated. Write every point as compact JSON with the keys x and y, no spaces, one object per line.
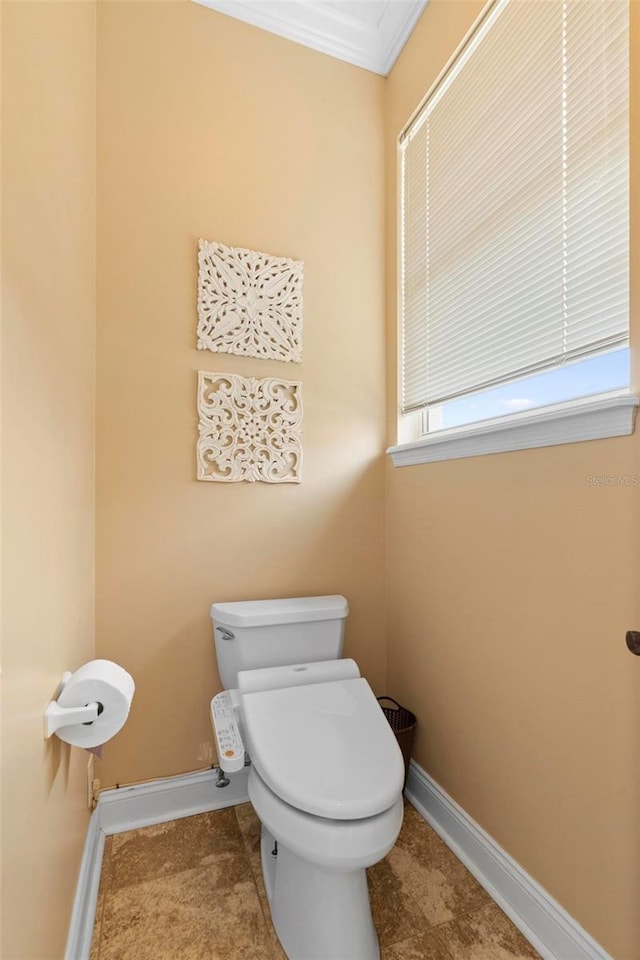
{"x":403,"y":724}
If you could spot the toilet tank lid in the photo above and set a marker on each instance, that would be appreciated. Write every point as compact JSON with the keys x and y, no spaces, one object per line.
{"x":256,"y":613}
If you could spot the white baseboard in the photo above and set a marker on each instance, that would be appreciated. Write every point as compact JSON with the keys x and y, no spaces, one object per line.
{"x":545,"y":924}
{"x":84,"y":904}
{"x":128,"y":808}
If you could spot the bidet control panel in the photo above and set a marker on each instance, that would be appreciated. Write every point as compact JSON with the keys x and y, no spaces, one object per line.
{"x":228,"y":739}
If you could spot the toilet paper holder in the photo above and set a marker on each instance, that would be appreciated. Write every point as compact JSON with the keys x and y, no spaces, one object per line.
{"x":56,"y":716}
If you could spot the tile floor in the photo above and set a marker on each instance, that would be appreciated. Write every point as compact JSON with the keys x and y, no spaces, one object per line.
{"x":192,"y":889}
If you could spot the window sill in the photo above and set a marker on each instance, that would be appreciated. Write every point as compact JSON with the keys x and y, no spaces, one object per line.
{"x":592,"y":418}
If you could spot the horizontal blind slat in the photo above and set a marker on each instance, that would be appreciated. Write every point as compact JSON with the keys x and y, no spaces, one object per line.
{"x":514,"y":233}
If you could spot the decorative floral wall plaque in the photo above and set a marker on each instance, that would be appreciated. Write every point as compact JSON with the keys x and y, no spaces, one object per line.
{"x":249,"y":429}
{"x":249,"y":303}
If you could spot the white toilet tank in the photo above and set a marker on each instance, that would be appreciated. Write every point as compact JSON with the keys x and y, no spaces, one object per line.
{"x":270,"y":633}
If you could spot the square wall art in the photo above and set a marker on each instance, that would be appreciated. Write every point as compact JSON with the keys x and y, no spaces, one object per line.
{"x":249,"y":429}
{"x":249,"y":303}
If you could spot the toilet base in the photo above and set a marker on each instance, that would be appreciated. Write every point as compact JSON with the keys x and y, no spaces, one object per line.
{"x":318,"y":914}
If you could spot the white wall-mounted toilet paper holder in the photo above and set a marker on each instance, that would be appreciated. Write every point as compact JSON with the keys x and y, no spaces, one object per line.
{"x":56,"y":716}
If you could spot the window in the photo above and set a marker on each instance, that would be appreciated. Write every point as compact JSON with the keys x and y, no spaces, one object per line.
{"x":514,"y":217}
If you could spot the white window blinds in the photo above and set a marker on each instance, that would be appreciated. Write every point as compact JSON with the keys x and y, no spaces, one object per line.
{"x":514,"y":203}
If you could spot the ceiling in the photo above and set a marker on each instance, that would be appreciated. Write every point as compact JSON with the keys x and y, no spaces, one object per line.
{"x":368,"y":33}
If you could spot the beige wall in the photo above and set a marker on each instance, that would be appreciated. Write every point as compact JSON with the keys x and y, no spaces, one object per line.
{"x":48,"y":305}
{"x":212,"y":128}
{"x":511,"y":583}
{"x":510,"y":580}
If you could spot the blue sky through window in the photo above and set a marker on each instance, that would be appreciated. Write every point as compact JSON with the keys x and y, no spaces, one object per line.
{"x":610,"y":371}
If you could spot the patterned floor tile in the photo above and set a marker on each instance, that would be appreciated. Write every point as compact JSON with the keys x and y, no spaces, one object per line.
{"x":166,"y":848}
{"x":249,"y":827}
{"x":424,"y":947}
{"x":439,"y":883}
{"x":185,"y":916}
{"x":486,"y":934}
{"x":395,"y":914}
{"x":192,"y":889}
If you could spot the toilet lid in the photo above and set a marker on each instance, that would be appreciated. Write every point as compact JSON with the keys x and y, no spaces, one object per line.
{"x":325,"y":748}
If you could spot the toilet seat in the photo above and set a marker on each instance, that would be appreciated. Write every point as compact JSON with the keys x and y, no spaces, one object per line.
{"x":325,"y":748}
{"x":333,"y":844}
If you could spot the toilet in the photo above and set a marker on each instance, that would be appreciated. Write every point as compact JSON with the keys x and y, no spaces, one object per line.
{"x":326,"y":771}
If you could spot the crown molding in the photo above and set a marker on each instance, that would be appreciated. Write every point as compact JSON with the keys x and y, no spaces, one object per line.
{"x":373,"y":41}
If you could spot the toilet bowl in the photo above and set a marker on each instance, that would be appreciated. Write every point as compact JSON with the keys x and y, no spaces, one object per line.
{"x":316,"y":883}
{"x":326,"y":776}
{"x":326,"y":784}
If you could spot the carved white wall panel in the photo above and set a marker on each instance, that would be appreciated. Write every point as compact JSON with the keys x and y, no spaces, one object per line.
{"x":249,"y":429}
{"x":249,"y":303}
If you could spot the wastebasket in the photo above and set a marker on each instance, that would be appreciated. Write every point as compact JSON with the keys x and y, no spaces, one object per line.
{"x":403,"y":724}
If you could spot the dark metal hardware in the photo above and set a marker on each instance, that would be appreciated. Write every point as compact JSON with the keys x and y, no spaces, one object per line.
{"x":100,"y":710}
{"x":222,"y":780}
{"x":633,"y":641}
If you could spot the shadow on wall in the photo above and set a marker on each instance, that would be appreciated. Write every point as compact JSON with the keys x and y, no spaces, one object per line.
{"x":57,"y":761}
